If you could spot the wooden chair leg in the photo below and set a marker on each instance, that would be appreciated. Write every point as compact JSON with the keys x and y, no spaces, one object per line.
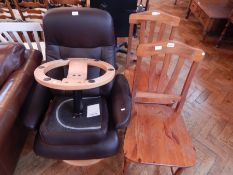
{"x":188,"y":13}
{"x":223,"y":34}
{"x":172,"y":171}
{"x":179,"y":171}
{"x":125,"y":166}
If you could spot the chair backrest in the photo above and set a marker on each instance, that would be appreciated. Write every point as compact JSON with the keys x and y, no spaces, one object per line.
{"x":30,"y":11}
{"x":72,"y":32}
{"x":171,"y":68}
{"x":6,"y":11}
{"x":154,"y":20}
{"x":67,"y":2}
{"x":27,"y":33}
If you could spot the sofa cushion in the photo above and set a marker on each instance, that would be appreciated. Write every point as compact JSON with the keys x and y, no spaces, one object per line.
{"x":11,"y":58}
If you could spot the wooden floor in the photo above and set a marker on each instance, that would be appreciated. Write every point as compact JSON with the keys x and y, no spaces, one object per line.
{"x":208,"y":114}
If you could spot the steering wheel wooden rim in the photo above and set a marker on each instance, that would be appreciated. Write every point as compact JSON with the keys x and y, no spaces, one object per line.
{"x":77,"y":74}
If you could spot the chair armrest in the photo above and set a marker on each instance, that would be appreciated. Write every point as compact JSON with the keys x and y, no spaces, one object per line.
{"x":36,"y":106}
{"x":120,"y":102}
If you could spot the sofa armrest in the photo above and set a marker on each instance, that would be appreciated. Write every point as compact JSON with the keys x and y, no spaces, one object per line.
{"x":120,"y":102}
{"x":14,"y":92}
{"x":36,"y":106}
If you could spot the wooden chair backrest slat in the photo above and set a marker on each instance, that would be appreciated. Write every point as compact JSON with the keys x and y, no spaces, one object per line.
{"x":160,"y":84}
{"x":67,"y":2}
{"x":165,"y":23}
{"x":18,"y":38}
{"x":23,"y":32}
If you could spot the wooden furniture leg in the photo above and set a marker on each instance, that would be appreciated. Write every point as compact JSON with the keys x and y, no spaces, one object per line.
{"x":125,"y":166}
{"x":207,"y":29}
{"x":188,"y":13}
{"x":189,"y":10}
{"x":223,"y":34}
{"x":179,"y":171}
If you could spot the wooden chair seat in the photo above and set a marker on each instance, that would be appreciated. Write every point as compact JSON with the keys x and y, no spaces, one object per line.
{"x":147,"y":131}
{"x":148,"y":141}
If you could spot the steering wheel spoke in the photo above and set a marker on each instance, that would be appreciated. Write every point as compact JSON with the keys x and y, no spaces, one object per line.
{"x":77,"y":71}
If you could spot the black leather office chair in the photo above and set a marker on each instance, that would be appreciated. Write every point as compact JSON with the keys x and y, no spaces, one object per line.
{"x":85,"y":33}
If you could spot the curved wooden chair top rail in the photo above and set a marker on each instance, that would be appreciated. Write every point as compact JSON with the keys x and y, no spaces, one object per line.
{"x":66,"y":2}
{"x":6,"y":11}
{"x":170,"y":47}
{"x":21,"y":32}
{"x":155,"y":15}
{"x":33,"y":5}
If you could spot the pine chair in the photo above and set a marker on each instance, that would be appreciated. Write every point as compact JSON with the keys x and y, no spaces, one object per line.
{"x":6,"y":12}
{"x":23,"y":32}
{"x":31,"y":11}
{"x":161,"y":19}
{"x":67,"y":3}
{"x":156,"y":133}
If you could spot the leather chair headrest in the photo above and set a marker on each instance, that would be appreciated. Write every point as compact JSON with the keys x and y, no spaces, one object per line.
{"x":78,"y":27}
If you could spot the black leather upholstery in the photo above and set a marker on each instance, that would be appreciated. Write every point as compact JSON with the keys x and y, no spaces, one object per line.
{"x":53,"y":133}
{"x":69,"y":38}
{"x":63,"y":29}
{"x":90,"y":34}
{"x":120,"y":102}
{"x":42,"y":95}
{"x":108,"y":147}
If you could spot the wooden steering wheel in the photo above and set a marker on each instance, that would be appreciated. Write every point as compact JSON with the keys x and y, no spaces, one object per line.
{"x":77,"y":74}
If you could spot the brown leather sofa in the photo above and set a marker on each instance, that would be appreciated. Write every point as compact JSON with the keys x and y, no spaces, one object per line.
{"x":16,"y":79}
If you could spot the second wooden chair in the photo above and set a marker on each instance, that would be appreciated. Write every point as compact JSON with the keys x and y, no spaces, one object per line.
{"x":156,"y":133}
{"x":165,"y":23}
{"x":31,"y":11}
